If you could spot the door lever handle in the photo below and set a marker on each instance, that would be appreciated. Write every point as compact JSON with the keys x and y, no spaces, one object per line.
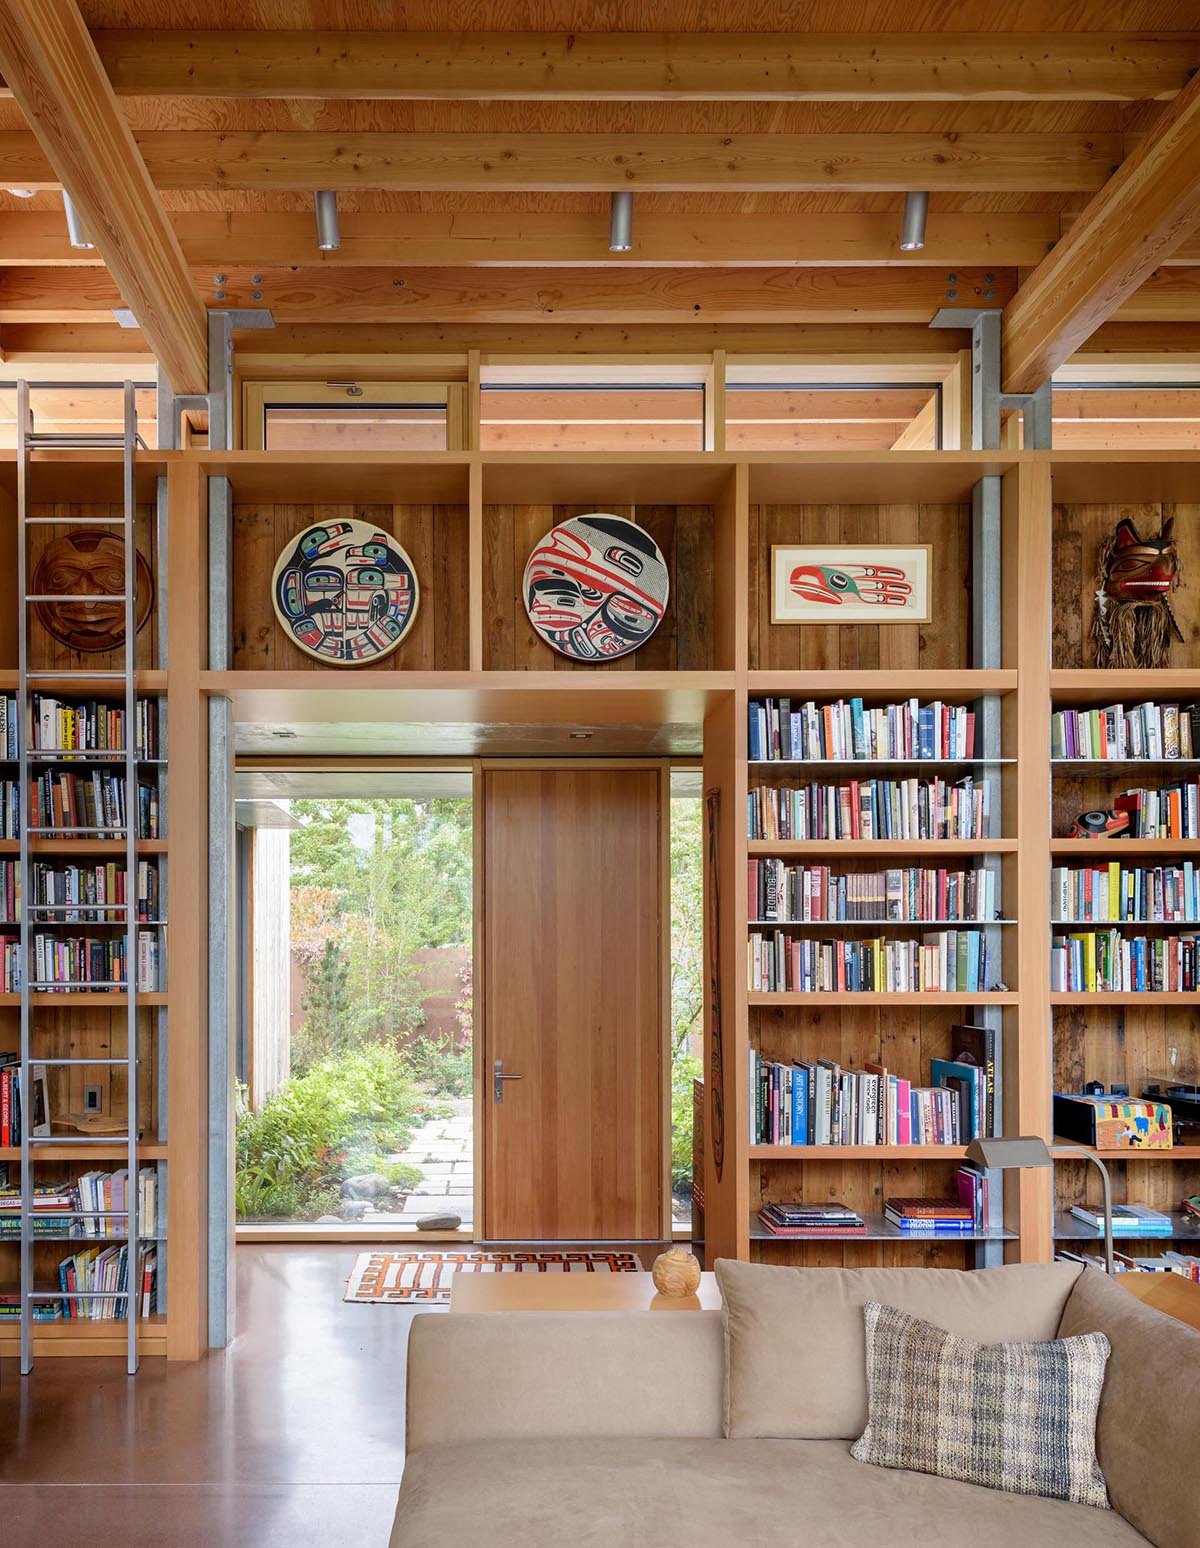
{"x":498,"y":1079}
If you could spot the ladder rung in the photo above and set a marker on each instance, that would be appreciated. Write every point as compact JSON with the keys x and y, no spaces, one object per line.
{"x":75,"y":521}
{"x":79,"y":983}
{"x":35,"y":1143}
{"x":41,"y":677}
{"x":59,"y":1062}
{"x":78,"y":1295}
{"x":75,"y":596}
{"x":67,"y":832}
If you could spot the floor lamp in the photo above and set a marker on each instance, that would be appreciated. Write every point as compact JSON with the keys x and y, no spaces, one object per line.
{"x":1028,"y":1152}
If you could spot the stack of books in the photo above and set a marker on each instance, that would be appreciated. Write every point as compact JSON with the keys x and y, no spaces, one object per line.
{"x":1127,"y":1219}
{"x":785,"y":730}
{"x":812,"y":1220}
{"x":930,"y":1217}
{"x":54,"y":1206}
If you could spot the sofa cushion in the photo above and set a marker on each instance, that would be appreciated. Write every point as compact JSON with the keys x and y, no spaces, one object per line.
{"x":1019,"y":1417}
{"x":795,"y":1352}
{"x":716,"y":1494}
{"x":1148,"y":1435}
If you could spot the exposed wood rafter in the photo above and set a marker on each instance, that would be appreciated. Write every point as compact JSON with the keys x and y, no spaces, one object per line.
{"x":300,"y":160}
{"x":783,"y":67}
{"x":59,"y":83}
{"x":1147,"y":209}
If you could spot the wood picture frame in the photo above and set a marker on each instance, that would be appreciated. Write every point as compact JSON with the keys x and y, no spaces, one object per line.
{"x":894,"y":579}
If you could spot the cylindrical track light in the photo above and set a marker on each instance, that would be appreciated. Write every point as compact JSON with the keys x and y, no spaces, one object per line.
{"x":329,"y":237}
{"x":912,"y":232}
{"x":620,"y":223}
{"x":77,"y":233}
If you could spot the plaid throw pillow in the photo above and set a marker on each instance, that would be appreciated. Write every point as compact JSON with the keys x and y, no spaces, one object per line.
{"x":1020,"y":1417}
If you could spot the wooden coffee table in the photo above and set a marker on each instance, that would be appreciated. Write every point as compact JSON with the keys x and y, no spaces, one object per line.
{"x":574,"y":1292}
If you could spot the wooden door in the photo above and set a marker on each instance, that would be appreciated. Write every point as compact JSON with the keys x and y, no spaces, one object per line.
{"x":573,"y":987}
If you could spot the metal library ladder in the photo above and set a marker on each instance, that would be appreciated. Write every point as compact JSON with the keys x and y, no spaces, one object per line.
{"x":34,"y":680}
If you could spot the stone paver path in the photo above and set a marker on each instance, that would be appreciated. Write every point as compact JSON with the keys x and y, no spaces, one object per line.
{"x":442,"y":1149}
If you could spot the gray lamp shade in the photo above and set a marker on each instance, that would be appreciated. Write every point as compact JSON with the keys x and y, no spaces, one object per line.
{"x":1022,"y":1151}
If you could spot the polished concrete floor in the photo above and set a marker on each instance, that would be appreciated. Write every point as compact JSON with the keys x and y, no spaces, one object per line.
{"x":294,"y":1435}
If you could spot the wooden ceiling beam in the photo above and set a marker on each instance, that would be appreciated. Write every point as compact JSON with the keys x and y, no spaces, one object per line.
{"x":1100,"y":268}
{"x":564,"y":240}
{"x":434,"y":295}
{"x":656,"y":67}
{"x":646,"y":163}
{"x":301,"y":160}
{"x":61,"y":87}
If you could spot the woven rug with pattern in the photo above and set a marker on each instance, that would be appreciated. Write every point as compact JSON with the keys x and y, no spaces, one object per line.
{"x":390,"y":1278}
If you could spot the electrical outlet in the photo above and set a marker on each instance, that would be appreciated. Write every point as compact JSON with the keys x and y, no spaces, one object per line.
{"x":93,"y":1099}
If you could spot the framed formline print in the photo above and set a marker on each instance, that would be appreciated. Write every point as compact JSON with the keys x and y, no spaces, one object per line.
{"x":880,"y":583}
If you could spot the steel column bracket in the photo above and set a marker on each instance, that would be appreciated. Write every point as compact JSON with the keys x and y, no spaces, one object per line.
{"x":988,"y":403}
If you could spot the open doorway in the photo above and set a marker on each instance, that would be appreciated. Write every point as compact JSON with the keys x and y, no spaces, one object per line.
{"x":355,"y":1037}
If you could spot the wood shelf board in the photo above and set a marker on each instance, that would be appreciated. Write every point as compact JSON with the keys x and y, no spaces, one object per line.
{"x":881,"y":1229}
{"x":1184,"y":1228}
{"x":338,"y":478}
{"x":857,"y":1152}
{"x":1176,"y":1153}
{"x":879,"y":763}
{"x":87,"y":475}
{"x":78,"y":1336}
{"x":1076,"y":688}
{"x":877,"y":924}
{"x":870,"y":478}
{"x":566,"y":699}
{"x":1107,"y":477}
{"x":63,"y":1000}
{"x":1114,"y":848}
{"x":624,"y":478}
{"x":1125,"y":997}
{"x":148,"y":681}
{"x":101,"y":1150}
{"x":113,"y":847}
{"x":783,"y":848}
{"x":881,"y":686}
{"x":850,"y":997}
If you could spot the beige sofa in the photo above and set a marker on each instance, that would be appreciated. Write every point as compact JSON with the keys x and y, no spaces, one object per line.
{"x":578,"y":1429}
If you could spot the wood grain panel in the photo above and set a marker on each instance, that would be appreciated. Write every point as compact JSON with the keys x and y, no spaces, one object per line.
{"x":683,"y":641}
{"x":51,"y":654}
{"x":1079,"y":530}
{"x":572,"y":940}
{"x":436,"y":538}
{"x":944,"y":641}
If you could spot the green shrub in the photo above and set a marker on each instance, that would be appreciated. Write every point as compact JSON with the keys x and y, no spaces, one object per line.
{"x":441,"y":1068}
{"x":339,"y":1118}
{"x":685,"y":1067}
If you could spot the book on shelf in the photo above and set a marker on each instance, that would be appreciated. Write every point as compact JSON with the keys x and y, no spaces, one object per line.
{"x":977,"y":1046}
{"x":850,"y":731}
{"x":1112,"y":1122}
{"x":55,"y":1209}
{"x":1127,"y":1219}
{"x":974,"y":1193}
{"x":818,"y":1102}
{"x":94,"y":800}
{"x":871,"y":809}
{"x":1161,"y":732}
{"x":1100,"y":961}
{"x":930,"y":1217}
{"x":13,"y":1106}
{"x":777,"y":892}
{"x":811,"y":1220}
{"x":91,"y":725}
{"x":947,"y":961}
{"x":84,"y":894}
{"x":10,"y":728}
{"x":1166,"y":811}
{"x":86,"y":962}
{"x":106,"y":1270}
{"x":1101,"y":894}
{"x":43,"y":1311}
{"x":10,"y":809}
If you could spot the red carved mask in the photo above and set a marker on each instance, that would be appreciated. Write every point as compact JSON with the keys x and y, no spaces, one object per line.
{"x":1141,"y":569}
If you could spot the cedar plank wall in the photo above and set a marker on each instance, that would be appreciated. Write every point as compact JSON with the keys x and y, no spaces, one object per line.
{"x":47,"y":652}
{"x":943,"y":642}
{"x":683,"y":640}
{"x":435,"y":538}
{"x":1078,"y":532}
{"x":904,"y":1039}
